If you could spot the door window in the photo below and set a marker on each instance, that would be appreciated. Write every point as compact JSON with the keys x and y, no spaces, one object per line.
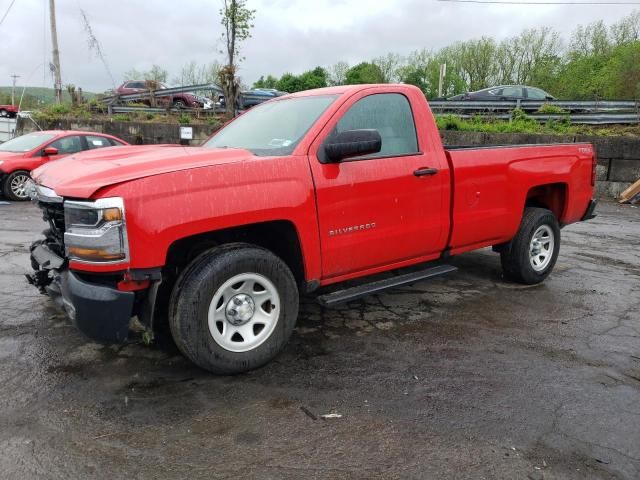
{"x":94,"y":142}
{"x":512,"y":92}
{"x":67,"y":145}
{"x":536,"y":94}
{"x":388,"y":113}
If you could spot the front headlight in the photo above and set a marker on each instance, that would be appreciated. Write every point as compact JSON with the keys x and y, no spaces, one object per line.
{"x":96,"y":232}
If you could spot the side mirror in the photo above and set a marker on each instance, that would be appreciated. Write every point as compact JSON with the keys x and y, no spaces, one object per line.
{"x":50,"y":151}
{"x":351,"y":143}
{"x":549,"y":97}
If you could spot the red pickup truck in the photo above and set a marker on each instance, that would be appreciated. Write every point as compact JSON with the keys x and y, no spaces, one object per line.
{"x":305,"y":191}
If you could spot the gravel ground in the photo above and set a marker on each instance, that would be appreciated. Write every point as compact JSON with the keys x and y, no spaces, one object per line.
{"x":465,"y":376}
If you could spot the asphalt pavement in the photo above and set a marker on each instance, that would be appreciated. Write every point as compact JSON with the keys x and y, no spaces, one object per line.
{"x":465,"y":376}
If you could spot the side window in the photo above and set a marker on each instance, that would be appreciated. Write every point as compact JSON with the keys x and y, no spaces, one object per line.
{"x":67,"y":145}
{"x":513,"y":92}
{"x":97,"y":142}
{"x":388,"y":113}
{"x":536,"y":94}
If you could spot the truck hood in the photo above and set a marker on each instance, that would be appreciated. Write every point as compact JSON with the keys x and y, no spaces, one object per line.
{"x":83,"y":174}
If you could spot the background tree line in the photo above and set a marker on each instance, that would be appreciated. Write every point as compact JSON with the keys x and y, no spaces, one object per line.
{"x":598,"y":61}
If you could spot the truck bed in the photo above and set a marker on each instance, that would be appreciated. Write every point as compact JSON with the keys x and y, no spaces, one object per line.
{"x":491,"y":185}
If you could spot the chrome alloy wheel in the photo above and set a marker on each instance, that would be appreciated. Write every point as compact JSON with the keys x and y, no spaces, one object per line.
{"x":19,"y":186}
{"x":541,"y":248}
{"x":244,"y":312}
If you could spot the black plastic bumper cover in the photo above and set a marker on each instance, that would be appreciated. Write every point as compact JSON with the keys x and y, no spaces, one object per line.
{"x":590,"y":213}
{"x":100,"y":312}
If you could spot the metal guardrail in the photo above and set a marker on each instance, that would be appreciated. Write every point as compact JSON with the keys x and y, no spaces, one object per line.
{"x":577,"y":118}
{"x":590,"y":106}
{"x":165,"y":92}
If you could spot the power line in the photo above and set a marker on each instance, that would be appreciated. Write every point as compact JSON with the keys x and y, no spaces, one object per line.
{"x":7,"y":12}
{"x":514,"y":2}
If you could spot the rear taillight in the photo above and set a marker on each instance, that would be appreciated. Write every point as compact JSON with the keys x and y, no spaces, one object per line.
{"x":594,"y":167}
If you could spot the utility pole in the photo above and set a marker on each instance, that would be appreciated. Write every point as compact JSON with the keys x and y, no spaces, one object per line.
{"x":57,"y":84}
{"x":13,"y":88}
{"x":443,"y":73}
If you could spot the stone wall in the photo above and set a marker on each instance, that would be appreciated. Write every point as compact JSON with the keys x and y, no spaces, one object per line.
{"x":618,"y":157}
{"x":136,"y":133}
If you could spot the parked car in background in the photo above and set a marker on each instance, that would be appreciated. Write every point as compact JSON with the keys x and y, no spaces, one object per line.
{"x":22,"y":154}
{"x":506,"y":92}
{"x":8,"y":111}
{"x":176,"y":100}
{"x":251,"y":98}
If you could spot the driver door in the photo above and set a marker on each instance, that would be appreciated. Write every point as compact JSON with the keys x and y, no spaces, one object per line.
{"x":378,"y":210}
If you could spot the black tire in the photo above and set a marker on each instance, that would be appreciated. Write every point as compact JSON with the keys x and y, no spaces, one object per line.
{"x":8,"y":190}
{"x":179,"y":105}
{"x":193,"y":294}
{"x":4,"y":113}
{"x":516,"y":258}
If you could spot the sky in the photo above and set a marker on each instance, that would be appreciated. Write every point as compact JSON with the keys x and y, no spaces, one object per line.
{"x":289,"y":35}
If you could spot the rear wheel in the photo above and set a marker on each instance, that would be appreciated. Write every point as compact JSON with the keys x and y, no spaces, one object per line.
{"x":16,"y":185}
{"x":534,"y":250}
{"x":3,"y":113}
{"x":233,"y":308}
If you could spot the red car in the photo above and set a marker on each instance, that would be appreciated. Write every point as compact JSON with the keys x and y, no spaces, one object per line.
{"x":8,"y":111}
{"x":22,"y":154}
{"x":216,"y":243}
{"x":176,"y":100}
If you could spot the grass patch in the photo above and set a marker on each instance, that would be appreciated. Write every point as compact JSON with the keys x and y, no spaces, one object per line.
{"x":520,"y":122}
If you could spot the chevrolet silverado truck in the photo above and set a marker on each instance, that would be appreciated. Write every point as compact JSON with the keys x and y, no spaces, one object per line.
{"x":299,"y":194}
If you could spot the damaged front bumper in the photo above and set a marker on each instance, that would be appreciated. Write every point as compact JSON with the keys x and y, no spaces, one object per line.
{"x":101,"y":312}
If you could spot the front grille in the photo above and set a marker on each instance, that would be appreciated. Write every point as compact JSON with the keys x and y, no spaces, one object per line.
{"x":53,"y":214}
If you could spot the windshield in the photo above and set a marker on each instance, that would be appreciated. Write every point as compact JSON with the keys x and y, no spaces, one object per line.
{"x":273,"y":128}
{"x":26,"y":143}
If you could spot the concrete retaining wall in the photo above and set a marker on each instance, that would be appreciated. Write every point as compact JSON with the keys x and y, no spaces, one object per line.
{"x":136,"y":133}
{"x":618,"y":157}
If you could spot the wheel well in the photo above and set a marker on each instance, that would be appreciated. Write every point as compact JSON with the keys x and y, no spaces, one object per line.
{"x":551,"y":196}
{"x":279,"y":237}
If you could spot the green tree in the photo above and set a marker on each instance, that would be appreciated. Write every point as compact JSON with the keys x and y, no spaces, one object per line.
{"x":269,"y":82}
{"x":237,"y":22}
{"x":364,"y":73}
{"x":389,"y":66}
{"x":338,"y":73}
{"x":316,"y":78}
{"x":155,"y":74}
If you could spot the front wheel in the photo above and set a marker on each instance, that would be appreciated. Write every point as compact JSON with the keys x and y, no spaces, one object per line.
{"x":233,"y":308}
{"x":16,"y":185}
{"x":533,"y":252}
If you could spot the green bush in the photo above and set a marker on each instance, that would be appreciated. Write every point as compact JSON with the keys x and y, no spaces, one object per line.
{"x":551,"y":109}
{"x":184,"y":118}
{"x":213,"y":121}
{"x":121,"y":117}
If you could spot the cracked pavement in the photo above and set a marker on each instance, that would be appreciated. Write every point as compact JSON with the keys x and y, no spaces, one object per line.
{"x":465,"y":376}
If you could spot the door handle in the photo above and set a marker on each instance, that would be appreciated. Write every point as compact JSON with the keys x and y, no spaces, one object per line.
{"x":421,"y":172}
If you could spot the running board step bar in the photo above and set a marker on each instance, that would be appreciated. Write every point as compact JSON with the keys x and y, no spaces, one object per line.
{"x":359,"y":291}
